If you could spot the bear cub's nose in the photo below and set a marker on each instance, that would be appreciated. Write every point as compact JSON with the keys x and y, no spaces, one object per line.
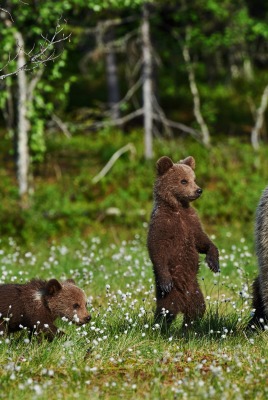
{"x":199,"y":191}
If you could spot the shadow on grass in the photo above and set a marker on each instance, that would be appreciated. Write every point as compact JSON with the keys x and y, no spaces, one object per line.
{"x":213,"y":326}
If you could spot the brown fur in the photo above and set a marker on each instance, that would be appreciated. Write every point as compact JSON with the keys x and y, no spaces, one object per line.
{"x":175,"y":239}
{"x":260,"y":284}
{"x":259,"y":318}
{"x":36,"y":305}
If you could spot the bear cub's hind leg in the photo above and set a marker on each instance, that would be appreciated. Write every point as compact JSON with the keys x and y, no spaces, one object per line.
{"x":190,"y":303}
{"x":195,"y":306}
{"x":168,"y":305}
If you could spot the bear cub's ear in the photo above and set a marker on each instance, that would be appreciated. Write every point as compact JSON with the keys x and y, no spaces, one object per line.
{"x":163,"y":165}
{"x":52,"y":287}
{"x":71,"y":281}
{"x":190,"y":161}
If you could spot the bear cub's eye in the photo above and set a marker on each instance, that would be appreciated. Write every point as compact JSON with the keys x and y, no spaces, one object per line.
{"x":76,"y":306}
{"x":184,"y":181}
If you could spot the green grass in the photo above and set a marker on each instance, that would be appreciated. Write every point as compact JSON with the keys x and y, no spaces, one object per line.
{"x":68,"y":233}
{"x":65,"y":201}
{"x":121,"y":353}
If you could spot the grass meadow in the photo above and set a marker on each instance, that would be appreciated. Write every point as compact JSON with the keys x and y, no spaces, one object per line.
{"x":69,"y":232}
{"x":122,"y":353}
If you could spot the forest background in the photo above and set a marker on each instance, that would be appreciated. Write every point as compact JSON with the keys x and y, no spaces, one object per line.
{"x":84,"y":81}
{"x":92,"y":93}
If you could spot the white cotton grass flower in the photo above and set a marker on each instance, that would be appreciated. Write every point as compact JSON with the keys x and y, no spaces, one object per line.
{"x":38,"y":389}
{"x":76,"y":318}
{"x":123,"y":319}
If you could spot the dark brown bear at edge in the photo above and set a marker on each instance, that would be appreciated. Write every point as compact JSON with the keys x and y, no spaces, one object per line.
{"x":36,"y":305}
{"x":175,"y":239}
{"x":260,"y":284}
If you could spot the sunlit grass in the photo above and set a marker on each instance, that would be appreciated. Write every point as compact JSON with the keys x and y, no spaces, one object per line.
{"x":122,"y":353}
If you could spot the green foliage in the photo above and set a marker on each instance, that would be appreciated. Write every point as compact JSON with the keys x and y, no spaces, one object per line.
{"x":223,"y":37}
{"x":101,"y":5}
{"x":50,"y":91}
{"x":66,"y":201}
{"x":224,"y":40}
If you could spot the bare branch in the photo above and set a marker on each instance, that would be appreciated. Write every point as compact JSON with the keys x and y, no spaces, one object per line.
{"x":6,"y":11}
{"x":119,"y":121}
{"x":129,"y":147}
{"x":61,"y":125}
{"x":118,"y":45}
{"x":33,"y":83}
{"x":9,"y":61}
{"x":255,"y":134}
{"x":128,"y":96}
{"x":180,"y":126}
{"x":204,"y":135}
{"x":137,"y":113}
{"x":195,"y":94}
{"x":162,"y":116}
{"x":109,"y":23}
{"x":47,"y":53}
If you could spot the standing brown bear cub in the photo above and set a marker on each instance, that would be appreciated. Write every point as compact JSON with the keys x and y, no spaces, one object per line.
{"x":36,"y":305}
{"x":175,"y":239}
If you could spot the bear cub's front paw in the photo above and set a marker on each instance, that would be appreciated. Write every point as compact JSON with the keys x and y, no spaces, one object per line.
{"x":165,"y":284}
{"x":213,"y":263}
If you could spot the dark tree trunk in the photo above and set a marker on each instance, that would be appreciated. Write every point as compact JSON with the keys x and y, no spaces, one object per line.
{"x":112,"y":76}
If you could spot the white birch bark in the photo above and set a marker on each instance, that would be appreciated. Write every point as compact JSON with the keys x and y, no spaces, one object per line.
{"x":22,"y":124}
{"x":147,"y":85}
{"x":196,"y":98}
{"x":255,"y":134}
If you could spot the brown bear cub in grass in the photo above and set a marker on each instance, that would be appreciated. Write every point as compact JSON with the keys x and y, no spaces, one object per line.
{"x":36,"y":305}
{"x":175,"y":238}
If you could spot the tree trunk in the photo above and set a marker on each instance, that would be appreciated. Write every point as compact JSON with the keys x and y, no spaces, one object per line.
{"x":112,"y":76}
{"x":22,"y":125}
{"x":255,"y":134}
{"x":8,"y":111}
{"x":196,"y":97}
{"x":147,"y":85}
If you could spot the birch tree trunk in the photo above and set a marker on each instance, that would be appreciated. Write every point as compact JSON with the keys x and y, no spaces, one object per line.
{"x":196,"y":98}
{"x":22,"y":125}
{"x":147,"y":84}
{"x":255,"y":134}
